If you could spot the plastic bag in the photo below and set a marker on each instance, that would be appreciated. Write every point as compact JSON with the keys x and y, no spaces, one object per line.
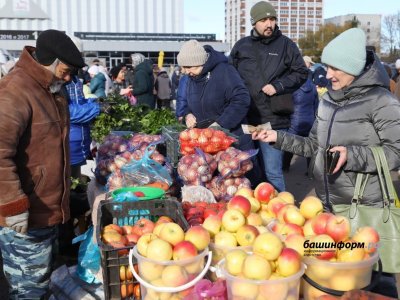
{"x":144,"y":171}
{"x":88,"y":257}
{"x":234,"y":163}
{"x":224,"y":189}
{"x":199,"y":193}
{"x":205,"y":289}
{"x":198,"y":168}
{"x":209,"y":140}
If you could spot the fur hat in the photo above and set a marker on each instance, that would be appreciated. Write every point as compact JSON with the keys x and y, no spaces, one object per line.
{"x":52,"y":44}
{"x":347,"y":52}
{"x":192,"y":54}
{"x":262,"y":10}
{"x":137,"y":59}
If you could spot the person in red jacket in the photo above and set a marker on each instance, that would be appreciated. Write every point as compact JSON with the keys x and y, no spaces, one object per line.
{"x":34,"y":161}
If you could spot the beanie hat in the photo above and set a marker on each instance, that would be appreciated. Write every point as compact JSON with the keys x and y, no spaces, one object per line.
{"x":397,"y":64}
{"x":137,"y":59}
{"x":192,"y":54}
{"x":347,"y":52}
{"x":262,"y":10}
{"x":52,"y":44}
{"x":94,"y":70}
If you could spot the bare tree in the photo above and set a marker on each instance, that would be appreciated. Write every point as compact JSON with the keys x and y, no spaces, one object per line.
{"x":389,"y":32}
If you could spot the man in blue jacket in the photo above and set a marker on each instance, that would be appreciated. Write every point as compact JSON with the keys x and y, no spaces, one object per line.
{"x":270,"y":64}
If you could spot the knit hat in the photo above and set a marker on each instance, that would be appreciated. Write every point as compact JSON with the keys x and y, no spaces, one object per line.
{"x":397,"y":64}
{"x":347,"y":52}
{"x":137,"y":59}
{"x":52,"y":44}
{"x":94,"y":70}
{"x":192,"y":54}
{"x":262,"y":10}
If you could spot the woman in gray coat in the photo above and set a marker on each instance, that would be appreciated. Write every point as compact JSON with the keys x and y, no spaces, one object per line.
{"x":358,"y":111}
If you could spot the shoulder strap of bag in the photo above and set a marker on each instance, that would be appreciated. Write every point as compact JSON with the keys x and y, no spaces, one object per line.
{"x":388,"y":178}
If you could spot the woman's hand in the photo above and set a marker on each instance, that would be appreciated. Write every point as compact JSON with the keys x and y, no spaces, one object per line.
{"x":126,"y":91}
{"x":266,"y":136}
{"x":342,"y":157}
{"x":190,"y":121}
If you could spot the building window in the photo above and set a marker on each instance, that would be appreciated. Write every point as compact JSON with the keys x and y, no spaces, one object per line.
{"x":368,"y":23}
{"x":310,"y":12}
{"x":368,"y":30}
{"x":283,"y":20}
{"x":293,"y":20}
{"x":284,"y":12}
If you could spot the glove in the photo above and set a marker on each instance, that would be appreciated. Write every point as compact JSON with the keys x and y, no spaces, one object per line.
{"x":105,"y":108}
{"x":190,"y":120}
{"x":19,"y":223}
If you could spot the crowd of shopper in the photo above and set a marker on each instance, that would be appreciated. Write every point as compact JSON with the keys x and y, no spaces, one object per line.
{"x":51,"y":93}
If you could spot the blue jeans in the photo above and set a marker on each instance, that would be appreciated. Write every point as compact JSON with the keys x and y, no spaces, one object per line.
{"x":272,"y":159}
{"x":27,"y":261}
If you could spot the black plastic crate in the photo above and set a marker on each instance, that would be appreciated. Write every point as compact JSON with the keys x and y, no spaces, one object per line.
{"x":127,"y":213}
{"x":171,"y":135}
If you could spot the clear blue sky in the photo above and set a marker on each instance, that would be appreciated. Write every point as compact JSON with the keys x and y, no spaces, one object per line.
{"x":208,"y":16}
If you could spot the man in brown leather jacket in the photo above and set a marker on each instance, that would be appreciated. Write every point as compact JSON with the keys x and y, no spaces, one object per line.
{"x":34,"y":161}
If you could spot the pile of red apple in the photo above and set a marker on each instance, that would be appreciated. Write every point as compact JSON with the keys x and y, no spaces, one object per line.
{"x":269,"y":259}
{"x":168,"y":243}
{"x":195,"y":213}
{"x":209,"y":140}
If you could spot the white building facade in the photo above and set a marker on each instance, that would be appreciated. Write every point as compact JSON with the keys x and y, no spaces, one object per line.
{"x":370,"y":23}
{"x":295,"y":18}
{"x":112,"y":29}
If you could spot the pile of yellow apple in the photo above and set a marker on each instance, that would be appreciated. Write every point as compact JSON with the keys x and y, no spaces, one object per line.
{"x":269,"y":260}
{"x":169,"y":243}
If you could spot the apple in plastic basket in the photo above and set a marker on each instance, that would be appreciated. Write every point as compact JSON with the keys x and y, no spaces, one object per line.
{"x":172,"y":233}
{"x":246,"y":235}
{"x":150,"y":271}
{"x":254,"y":219}
{"x":241,"y":204}
{"x":143,"y":243}
{"x":369,"y":236}
{"x":159,"y":250}
{"x":256,"y":267}
{"x":278,"y":290}
{"x":183,"y":250}
{"x":287,"y":196}
{"x":338,"y":228}
{"x":234,"y":261}
{"x":232,"y":220}
{"x":293,"y":215}
{"x":199,"y":236}
{"x":225,"y":239}
{"x":264,"y":192}
{"x":244,"y":289}
{"x":296,"y":242}
{"x":174,"y":275}
{"x":319,"y":222}
{"x":268,"y":245}
{"x":213,"y":224}
{"x":310,"y":207}
{"x":289,"y":262}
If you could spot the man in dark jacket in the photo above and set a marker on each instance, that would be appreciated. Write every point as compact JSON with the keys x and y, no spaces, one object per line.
{"x":270,"y":64}
{"x":34,"y":161}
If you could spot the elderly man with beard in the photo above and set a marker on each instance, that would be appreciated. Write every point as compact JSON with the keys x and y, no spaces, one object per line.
{"x":34,"y":161}
{"x":270,"y":64}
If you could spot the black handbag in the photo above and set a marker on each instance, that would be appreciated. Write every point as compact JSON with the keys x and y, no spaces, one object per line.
{"x":282,"y":104}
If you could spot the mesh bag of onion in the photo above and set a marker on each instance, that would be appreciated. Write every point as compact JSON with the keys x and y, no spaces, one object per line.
{"x":234,"y":163}
{"x":224,"y":189}
{"x":196,"y":169}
